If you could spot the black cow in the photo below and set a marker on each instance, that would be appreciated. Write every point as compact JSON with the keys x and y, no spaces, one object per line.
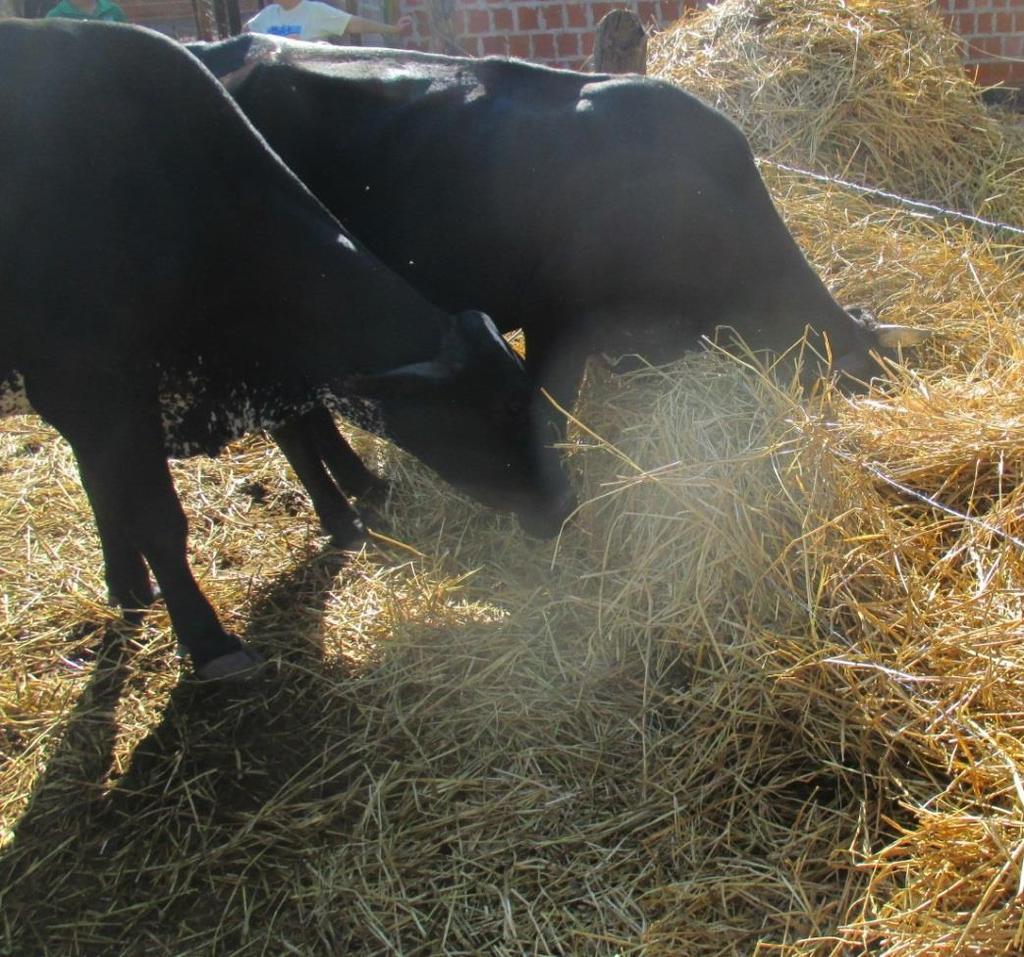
{"x":166,"y":284}
{"x":599,"y":214}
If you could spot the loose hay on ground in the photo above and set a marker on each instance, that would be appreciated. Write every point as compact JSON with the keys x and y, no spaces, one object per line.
{"x":763,"y":696}
{"x":756,"y":697}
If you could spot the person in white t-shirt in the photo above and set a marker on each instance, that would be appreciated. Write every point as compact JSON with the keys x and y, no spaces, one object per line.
{"x":313,"y":20}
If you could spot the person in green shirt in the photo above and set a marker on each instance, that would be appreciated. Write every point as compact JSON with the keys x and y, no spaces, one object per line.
{"x":88,"y":10}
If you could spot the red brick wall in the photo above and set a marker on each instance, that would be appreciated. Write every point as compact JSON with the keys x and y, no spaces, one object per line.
{"x":561,"y":32}
{"x":556,"y":32}
{"x":993,"y":37}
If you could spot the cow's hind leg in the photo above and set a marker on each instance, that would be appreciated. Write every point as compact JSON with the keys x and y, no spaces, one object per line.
{"x":128,"y":582}
{"x":118,"y":443}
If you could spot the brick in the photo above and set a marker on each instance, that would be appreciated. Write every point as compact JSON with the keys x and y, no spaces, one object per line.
{"x":503,"y":20}
{"x":981,"y":49}
{"x":1013,"y":46}
{"x":543,"y":46}
{"x":646,"y":10}
{"x":160,"y":11}
{"x":494,"y":46}
{"x":527,"y":18}
{"x":1004,"y":22}
{"x":577,"y":15}
{"x":478,"y":21}
{"x":668,"y":11}
{"x":586,"y":44}
{"x":459,"y":26}
{"x":567,"y":44}
{"x":552,"y":16}
{"x":519,"y":45}
{"x":599,"y":10}
{"x":985,"y":23}
{"x":963,"y":23}
{"x":988,"y":74}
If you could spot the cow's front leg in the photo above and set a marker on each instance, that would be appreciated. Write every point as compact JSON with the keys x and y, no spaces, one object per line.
{"x":345,"y":466}
{"x":300,"y":442}
{"x":556,"y":365}
{"x":124,"y":470}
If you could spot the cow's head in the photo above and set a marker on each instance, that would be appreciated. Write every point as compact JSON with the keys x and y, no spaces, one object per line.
{"x":472,"y":415}
{"x":846,"y":346}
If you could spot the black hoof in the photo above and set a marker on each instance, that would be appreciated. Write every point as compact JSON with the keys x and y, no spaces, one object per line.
{"x":241,"y":665}
{"x":347,"y":535}
{"x":375,"y":495}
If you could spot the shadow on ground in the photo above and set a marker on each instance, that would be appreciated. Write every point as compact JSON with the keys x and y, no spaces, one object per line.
{"x":204,"y":788}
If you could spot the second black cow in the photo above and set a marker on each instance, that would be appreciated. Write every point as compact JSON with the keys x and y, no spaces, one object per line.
{"x":598,"y":214}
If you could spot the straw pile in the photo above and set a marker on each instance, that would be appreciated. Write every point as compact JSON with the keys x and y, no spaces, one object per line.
{"x":873,"y":92}
{"x":762,"y":697}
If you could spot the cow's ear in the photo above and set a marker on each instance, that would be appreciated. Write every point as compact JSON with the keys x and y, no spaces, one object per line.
{"x":469,"y":336}
{"x":411,"y":380}
{"x":893,"y":336}
{"x":888,"y":335}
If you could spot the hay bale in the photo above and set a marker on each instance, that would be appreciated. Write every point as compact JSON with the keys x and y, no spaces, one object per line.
{"x":869,"y":91}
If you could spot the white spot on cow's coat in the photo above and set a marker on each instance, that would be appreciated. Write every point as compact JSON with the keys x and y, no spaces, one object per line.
{"x":13,"y":400}
{"x":201,"y":413}
{"x":343,"y":240}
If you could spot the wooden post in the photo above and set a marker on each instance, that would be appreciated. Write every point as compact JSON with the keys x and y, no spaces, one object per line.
{"x":620,"y":45}
{"x":217,"y":19}
{"x":206,"y":21}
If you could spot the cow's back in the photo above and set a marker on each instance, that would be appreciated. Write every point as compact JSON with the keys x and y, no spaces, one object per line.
{"x":125,"y":171}
{"x":516,"y":187}
{"x":420,"y":155}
